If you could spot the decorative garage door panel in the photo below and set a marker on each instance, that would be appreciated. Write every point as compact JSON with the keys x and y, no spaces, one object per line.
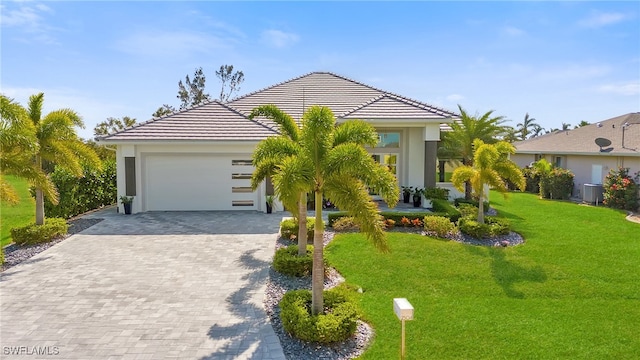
{"x":198,"y":182}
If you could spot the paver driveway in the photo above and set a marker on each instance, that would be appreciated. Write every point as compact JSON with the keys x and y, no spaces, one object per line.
{"x":185,"y":285}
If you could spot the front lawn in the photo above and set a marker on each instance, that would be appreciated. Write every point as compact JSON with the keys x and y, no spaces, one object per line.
{"x":17,"y":215}
{"x":571,"y":291}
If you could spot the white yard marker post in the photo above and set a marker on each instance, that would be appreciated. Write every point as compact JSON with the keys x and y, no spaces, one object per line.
{"x":404,"y":311}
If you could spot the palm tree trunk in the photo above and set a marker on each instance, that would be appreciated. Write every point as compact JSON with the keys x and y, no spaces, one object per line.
{"x":302,"y":225}
{"x":39,"y":197}
{"x":317,"y":274}
{"x":481,"y":206}
{"x":467,"y":190}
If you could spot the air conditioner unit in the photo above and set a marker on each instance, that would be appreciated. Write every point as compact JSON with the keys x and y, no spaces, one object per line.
{"x":592,"y":193}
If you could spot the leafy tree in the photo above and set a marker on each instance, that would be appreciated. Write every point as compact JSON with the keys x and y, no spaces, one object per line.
{"x":112,"y":125}
{"x":510,"y":134}
{"x":526,"y":127}
{"x":231,"y":79}
{"x":581,"y":124}
{"x":191,"y":93}
{"x":18,"y":147}
{"x":57,"y":143}
{"x":492,"y":166}
{"x":164,"y":110}
{"x":457,"y":144}
{"x":271,"y":152}
{"x":333,"y":164}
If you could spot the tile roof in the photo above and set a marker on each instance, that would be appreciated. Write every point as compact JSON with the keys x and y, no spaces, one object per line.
{"x":348,"y":99}
{"x":583,"y":140}
{"x":342,"y":95}
{"x":210,"y":121}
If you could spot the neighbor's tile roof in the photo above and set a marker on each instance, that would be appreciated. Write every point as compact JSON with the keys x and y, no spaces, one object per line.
{"x":211,"y":121}
{"x":583,"y":140}
{"x":348,"y":99}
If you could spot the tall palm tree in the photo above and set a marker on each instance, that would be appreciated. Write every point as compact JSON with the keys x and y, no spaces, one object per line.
{"x":58,"y":144}
{"x":333,"y":164}
{"x":527,"y":127}
{"x":491,"y":165}
{"x":18,"y":147}
{"x":271,"y":152}
{"x":457,"y":144}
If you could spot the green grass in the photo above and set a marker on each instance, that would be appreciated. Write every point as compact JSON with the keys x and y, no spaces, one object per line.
{"x":17,"y":215}
{"x":572,"y":291}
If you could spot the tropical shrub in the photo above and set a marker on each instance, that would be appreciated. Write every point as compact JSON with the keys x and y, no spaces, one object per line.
{"x":37,"y":234}
{"x":467,"y":209}
{"x":557,"y":184}
{"x":389,"y":223}
{"x":445,"y":208}
{"x":286,"y":261}
{"x":289,"y":228}
{"x":492,"y":227}
{"x":97,"y":188}
{"x":338,"y":323}
{"x":345,"y":223}
{"x":474,"y":202}
{"x":439,"y":226}
{"x":532,"y":178}
{"x":436,"y":193}
{"x":621,"y":190}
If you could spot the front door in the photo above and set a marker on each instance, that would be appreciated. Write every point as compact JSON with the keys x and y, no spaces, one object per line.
{"x":390,"y":161}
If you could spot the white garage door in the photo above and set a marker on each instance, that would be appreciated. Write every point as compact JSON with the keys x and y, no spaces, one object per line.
{"x":198,"y":182}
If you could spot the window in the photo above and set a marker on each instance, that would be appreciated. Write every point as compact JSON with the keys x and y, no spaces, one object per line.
{"x":130,"y":176}
{"x":241,"y":163}
{"x":240,"y":176}
{"x":558,"y":161}
{"x":388,"y":140}
{"x":242,"y":203}
{"x":241,"y":189}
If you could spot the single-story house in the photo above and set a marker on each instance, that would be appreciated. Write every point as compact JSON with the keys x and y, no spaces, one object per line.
{"x":590,"y":152}
{"x":200,"y":158}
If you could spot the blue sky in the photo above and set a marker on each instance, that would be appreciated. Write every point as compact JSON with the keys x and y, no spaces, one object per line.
{"x":558,"y":61}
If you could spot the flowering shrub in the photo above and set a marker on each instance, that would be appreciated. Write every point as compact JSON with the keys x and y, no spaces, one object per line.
{"x":389,"y":223}
{"x":621,"y":190}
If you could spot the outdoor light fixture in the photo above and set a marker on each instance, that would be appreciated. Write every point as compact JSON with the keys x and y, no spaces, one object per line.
{"x":404,"y":311}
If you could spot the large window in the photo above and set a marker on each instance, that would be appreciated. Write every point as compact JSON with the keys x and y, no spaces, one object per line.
{"x":388,"y":140}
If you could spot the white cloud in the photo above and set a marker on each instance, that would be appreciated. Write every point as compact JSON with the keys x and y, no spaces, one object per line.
{"x":512,"y":31}
{"x":27,"y":17}
{"x":279,"y":39}
{"x":599,"y":19}
{"x":627,"y":89}
{"x":454,"y":98}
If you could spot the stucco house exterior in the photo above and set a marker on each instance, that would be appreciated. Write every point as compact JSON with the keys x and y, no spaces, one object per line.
{"x":590,"y":152}
{"x":200,"y":158}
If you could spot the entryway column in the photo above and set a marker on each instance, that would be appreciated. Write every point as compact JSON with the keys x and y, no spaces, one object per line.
{"x":431,"y":138}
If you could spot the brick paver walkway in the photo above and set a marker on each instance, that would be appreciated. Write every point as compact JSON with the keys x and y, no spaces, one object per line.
{"x":148,"y":286}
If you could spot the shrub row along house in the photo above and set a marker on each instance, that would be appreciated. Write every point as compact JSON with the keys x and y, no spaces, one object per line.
{"x":590,"y":152}
{"x":200,"y":158}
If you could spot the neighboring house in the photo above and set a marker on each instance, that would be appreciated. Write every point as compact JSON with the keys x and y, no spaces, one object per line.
{"x":200,"y":158}
{"x":590,"y":152}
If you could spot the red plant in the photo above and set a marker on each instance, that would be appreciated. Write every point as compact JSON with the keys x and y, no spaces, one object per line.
{"x":405,"y":222}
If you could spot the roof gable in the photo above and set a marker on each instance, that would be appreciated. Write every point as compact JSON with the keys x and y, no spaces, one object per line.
{"x":583,"y":140}
{"x":394,"y":107}
{"x":210,"y":121}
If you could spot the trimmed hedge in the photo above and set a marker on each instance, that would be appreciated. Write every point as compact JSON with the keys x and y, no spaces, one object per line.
{"x":558,"y":184}
{"x":289,"y":229}
{"x":444,"y":209}
{"x":338,"y":324}
{"x":286,"y":261}
{"x":474,"y":202}
{"x":493,"y":226}
{"x":37,"y":234}
{"x":95,"y":189}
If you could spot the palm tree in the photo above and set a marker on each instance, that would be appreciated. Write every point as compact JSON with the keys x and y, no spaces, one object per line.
{"x":458,"y":143}
{"x":57,"y":143}
{"x":18,"y":147}
{"x":566,"y":126}
{"x":526,"y":127}
{"x":491,"y":165}
{"x":271,"y":152}
{"x":333,"y":164}
{"x":537,"y":130}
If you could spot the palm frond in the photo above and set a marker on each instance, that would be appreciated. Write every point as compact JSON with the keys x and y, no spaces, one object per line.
{"x":287,"y":125}
{"x":355,"y":131}
{"x":34,"y":107}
